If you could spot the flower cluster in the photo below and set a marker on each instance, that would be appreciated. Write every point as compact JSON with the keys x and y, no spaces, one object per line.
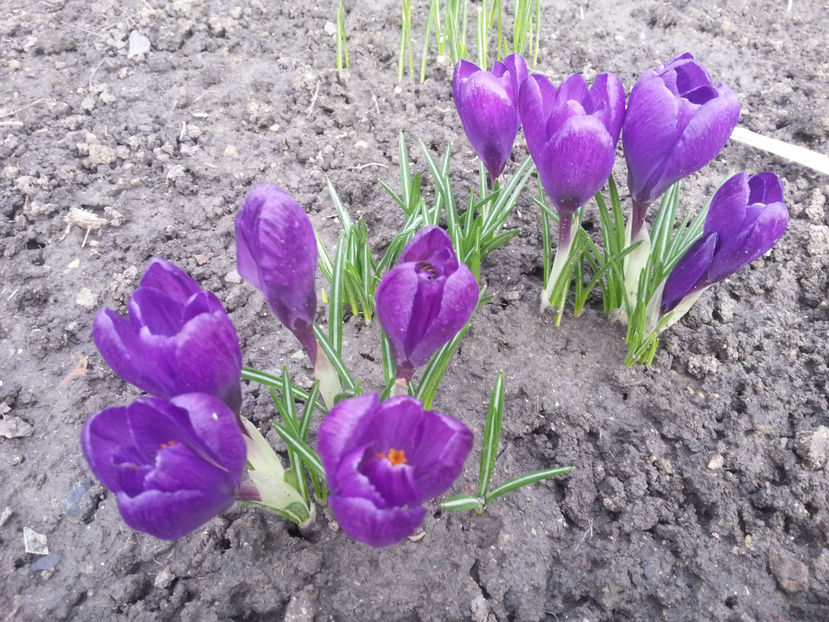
{"x":177,"y":459}
{"x":676,"y":121}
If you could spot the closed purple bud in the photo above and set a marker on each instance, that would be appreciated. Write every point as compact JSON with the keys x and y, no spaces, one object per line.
{"x":425,"y":299}
{"x":572,"y":133}
{"x":677,"y":122}
{"x":276,"y":252}
{"x":177,"y":339}
{"x":172,"y":465}
{"x":384,"y":460}
{"x":487,"y":105}
{"x":745,"y":219}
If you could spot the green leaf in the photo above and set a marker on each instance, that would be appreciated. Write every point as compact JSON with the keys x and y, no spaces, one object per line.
{"x":524,"y":480}
{"x":309,"y":457}
{"x":275,"y":382}
{"x":492,"y":434}
{"x":335,"y":306}
{"x":334,"y":357}
{"x":460,"y":503}
{"x":308,"y":411}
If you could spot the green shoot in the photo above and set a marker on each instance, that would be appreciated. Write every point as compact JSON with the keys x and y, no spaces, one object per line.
{"x":405,"y":39}
{"x":342,"y":43}
{"x":489,"y":453}
{"x":669,"y":243}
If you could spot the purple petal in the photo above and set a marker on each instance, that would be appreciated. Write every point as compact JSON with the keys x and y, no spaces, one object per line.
{"x":171,"y":515}
{"x":490,"y":118}
{"x":701,"y":140}
{"x":460,"y":296}
{"x":347,"y":479}
{"x":607,"y":95}
{"x":395,"y":425}
{"x":648,"y":133}
{"x":101,"y":438}
{"x":277,"y":254}
{"x":433,"y":245}
{"x":574,"y":88}
{"x":440,"y":461}
{"x":576,"y":162}
{"x":536,"y":98}
{"x":728,"y":206}
{"x":216,"y":426}
{"x":170,"y":279}
{"x":341,"y":426}
{"x":688,"y":272}
{"x":463,"y":69}
{"x":395,"y":299}
{"x":516,"y":65}
{"x":394,"y":483}
{"x":765,"y":188}
{"x":177,"y":467}
{"x":208,"y":359}
{"x":362,"y":521}
{"x":769,"y":224}
{"x":124,"y":351}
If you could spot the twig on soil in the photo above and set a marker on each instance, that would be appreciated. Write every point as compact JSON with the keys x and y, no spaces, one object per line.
{"x":11,"y":113}
{"x":587,"y":532}
{"x":360,"y":167}
{"x":314,"y":99}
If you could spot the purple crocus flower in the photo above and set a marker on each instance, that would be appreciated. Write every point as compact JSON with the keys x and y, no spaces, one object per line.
{"x":571,"y":134}
{"x":745,"y":219}
{"x":425,"y":299}
{"x":177,"y":339}
{"x":677,"y":122}
{"x":276,"y":252}
{"x":173,"y":465}
{"x":487,"y":105}
{"x":383,"y":461}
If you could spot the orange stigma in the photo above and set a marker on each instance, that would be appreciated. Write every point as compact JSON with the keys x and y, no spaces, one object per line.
{"x":396,"y":456}
{"x":167,"y":444}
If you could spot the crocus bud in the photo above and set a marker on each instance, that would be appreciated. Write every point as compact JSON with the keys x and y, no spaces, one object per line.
{"x":267,"y":476}
{"x":276,"y":252}
{"x":383,"y":461}
{"x":173,"y":465}
{"x":677,"y":122}
{"x":487,"y":105}
{"x":571,"y":134}
{"x":745,"y":219}
{"x":425,"y":299}
{"x":177,"y":339}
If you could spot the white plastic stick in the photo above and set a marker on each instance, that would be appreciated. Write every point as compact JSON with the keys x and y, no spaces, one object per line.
{"x":800,"y":155}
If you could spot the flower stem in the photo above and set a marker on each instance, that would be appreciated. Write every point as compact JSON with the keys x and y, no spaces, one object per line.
{"x":330,"y":385}
{"x":565,"y":243}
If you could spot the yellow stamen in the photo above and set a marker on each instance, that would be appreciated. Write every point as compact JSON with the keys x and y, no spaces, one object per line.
{"x":396,"y":456}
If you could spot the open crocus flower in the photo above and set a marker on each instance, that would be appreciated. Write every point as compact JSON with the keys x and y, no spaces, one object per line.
{"x":173,"y":465}
{"x":425,"y":299}
{"x":276,"y":252}
{"x":677,"y":122}
{"x":487,"y":105}
{"x":177,"y":339}
{"x":747,"y":216}
{"x":384,"y":460}
{"x":571,"y":134}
